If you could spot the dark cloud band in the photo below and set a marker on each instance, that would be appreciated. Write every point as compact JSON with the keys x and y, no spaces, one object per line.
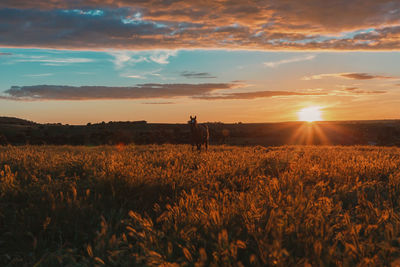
{"x":140,"y":91}
{"x":364,"y":76}
{"x":351,"y":75}
{"x":158,"y":24}
{"x":203,"y":91}
{"x":197,"y":75}
{"x":254,"y":95}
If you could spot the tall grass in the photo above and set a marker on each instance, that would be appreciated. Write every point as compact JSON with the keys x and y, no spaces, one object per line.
{"x":151,"y":205}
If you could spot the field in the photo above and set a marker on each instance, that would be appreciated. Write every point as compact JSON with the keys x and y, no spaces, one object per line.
{"x":150,"y":205}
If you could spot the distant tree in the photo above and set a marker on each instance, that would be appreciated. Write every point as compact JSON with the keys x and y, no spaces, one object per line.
{"x":139,"y":122}
{"x":77,"y":139}
{"x":20,"y":138}
{"x":3,"y":140}
{"x":119,"y":137}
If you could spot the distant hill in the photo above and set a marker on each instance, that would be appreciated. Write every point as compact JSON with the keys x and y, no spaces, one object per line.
{"x":15,"y":121}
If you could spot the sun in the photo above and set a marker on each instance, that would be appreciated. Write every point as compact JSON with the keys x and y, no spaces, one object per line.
{"x":310,"y":114}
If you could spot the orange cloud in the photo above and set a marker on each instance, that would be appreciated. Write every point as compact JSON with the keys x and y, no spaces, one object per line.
{"x":159,"y":24}
{"x":357,"y":91}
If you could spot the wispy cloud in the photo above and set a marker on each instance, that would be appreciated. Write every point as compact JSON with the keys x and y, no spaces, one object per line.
{"x":85,"y":73}
{"x":54,"y":61}
{"x":358,"y":91}
{"x":5,"y":54}
{"x":320,"y":76}
{"x":162,"y":57}
{"x":354,"y":76}
{"x":39,"y":75}
{"x":273,"y":64}
{"x":197,"y":75}
{"x":351,"y":89}
{"x":257,"y":94}
{"x":142,"y":74}
{"x":158,"y":103}
{"x":364,"y":76}
{"x":372,"y":92}
{"x":124,"y":58}
{"x":134,"y":76}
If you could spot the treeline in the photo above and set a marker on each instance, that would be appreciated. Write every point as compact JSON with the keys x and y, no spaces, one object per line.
{"x":386,"y":133}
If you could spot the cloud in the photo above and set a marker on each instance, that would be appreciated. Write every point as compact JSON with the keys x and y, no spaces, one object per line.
{"x":5,"y":54}
{"x":158,"y":103}
{"x":254,"y":95}
{"x":161,"y":57}
{"x":142,"y":74}
{"x":204,"y":91}
{"x":85,"y":73}
{"x":39,"y":75}
{"x":123,"y":58}
{"x":157,"y":24}
{"x":54,"y":61}
{"x":324,"y":15}
{"x":374,"y":92}
{"x":134,"y":76}
{"x":140,"y":91}
{"x":364,"y":76}
{"x":197,"y":75}
{"x":267,"y":94}
{"x":354,"y":76}
{"x":274,"y":64}
{"x":358,"y":91}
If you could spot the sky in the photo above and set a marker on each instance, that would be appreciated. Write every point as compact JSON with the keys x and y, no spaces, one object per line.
{"x":230,"y":61}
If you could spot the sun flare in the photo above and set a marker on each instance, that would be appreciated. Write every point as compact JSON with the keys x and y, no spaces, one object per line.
{"x":310,"y":114}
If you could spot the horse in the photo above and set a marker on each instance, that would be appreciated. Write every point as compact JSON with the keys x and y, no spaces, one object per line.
{"x":200,"y":134}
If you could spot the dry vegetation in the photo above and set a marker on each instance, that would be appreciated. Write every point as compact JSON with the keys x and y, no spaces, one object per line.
{"x":149,"y":205}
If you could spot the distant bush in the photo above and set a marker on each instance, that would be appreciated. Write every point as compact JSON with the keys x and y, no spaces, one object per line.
{"x":3,"y":140}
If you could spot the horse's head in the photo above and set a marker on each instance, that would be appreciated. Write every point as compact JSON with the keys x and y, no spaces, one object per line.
{"x":192,"y":121}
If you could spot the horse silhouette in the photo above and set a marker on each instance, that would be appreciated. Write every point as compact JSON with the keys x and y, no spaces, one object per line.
{"x":200,"y":134}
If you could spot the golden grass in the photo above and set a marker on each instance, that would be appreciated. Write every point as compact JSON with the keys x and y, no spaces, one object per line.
{"x":152,"y":205}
